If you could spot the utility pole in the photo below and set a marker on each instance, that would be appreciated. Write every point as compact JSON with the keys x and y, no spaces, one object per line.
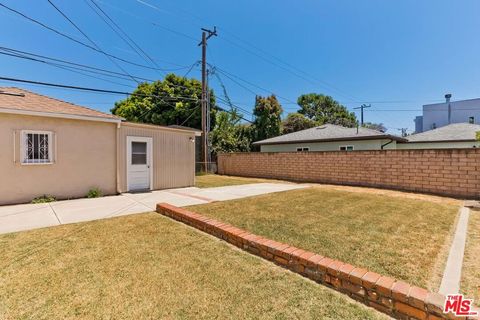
{"x":363,"y":106}
{"x":206,"y":34}
{"x":404,"y":131}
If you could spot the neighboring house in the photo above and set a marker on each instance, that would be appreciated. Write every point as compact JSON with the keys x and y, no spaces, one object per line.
{"x":457,"y":135}
{"x":330,"y":137}
{"x":57,"y":148}
{"x":441,"y":114}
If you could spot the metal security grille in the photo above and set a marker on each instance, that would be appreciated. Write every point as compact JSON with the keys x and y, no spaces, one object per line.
{"x":37,"y":148}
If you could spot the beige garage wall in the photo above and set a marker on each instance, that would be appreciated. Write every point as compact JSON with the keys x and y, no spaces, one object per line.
{"x":173,"y":155}
{"x":84,"y":152}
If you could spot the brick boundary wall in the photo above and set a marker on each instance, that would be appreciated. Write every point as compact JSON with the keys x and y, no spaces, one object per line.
{"x":447,"y":172}
{"x":395,"y":298}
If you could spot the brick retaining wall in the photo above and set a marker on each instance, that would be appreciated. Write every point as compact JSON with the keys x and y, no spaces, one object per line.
{"x":395,"y":298}
{"x":449,"y":172}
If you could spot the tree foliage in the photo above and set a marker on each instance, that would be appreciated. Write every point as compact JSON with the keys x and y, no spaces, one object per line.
{"x":296,"y":122}
{"x":478,"y":135}
{"x":229,"y":135}
{"x":324,"y":109}
{"x":267,"y":112}
{"x":174,"y":101}
{"x":375,"y":126}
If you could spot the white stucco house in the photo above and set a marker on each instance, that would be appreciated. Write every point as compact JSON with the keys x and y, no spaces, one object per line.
{"x":331,"y":137}
{"x":441,"y":114}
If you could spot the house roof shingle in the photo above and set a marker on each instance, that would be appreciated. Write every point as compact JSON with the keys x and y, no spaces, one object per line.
{"x":329,"y":132}
{"x":15,"y":99}
{"x":451,"y":132}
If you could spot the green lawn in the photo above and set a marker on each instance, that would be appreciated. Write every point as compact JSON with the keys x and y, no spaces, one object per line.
{"x":470,"y":285}
{"x":400,"y":237}
{"x":214,"y":180}
{"x":147,"y":266}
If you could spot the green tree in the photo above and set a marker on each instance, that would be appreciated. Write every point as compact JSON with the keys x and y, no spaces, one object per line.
{"x":375,"y":126}
{"x":324,"y":109}
{"x":267,"y":112}
{"x":478,"y":135}
{"x":174,"y":101}
{"x":296,"y":122}
{"x":229,"y":135}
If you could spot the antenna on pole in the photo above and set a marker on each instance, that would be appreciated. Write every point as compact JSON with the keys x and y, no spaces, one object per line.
{"x":206,"y":34}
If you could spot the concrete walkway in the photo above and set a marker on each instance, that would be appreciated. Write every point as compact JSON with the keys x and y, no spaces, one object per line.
{"x":33,"y":216}
{"x":453,"y":270}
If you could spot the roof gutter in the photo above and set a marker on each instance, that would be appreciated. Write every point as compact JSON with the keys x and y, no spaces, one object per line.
{"x":386,"y":144}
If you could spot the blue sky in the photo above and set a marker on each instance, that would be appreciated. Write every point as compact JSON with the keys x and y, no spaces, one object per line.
{"x":395,"y":55}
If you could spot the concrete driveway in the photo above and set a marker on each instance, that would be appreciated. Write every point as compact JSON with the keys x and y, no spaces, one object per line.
{"x":33,"y":216}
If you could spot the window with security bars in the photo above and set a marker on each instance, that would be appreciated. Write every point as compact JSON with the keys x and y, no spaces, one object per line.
{"x":37,"y":147}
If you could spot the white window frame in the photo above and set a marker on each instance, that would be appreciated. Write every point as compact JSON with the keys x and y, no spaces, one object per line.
{"x":303,"y":149}
{"x":346,"y":147}
{"x":23,"y":147}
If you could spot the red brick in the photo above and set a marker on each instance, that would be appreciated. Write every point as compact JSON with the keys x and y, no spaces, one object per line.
{"x":356,"y":275}
{"x":384,"y":286}
{"x":369,"y":279}
{"x":324,"y":263}
{"x":410,"y":311}
{"x":313,"y":260}
{"x":400,"y":291}
{"x":435,"y":302}
{"x":417,"y":297}
{"x":334,"y":267}
{"x":305,"y":256}
{"x":345,"y":270}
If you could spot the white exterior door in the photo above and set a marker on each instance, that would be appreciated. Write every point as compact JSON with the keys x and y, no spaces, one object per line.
{"x":139,"y":163}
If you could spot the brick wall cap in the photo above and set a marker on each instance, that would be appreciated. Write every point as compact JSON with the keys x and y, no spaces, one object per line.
{"x":384,"y":285}
{"x":357,"y":274}
{"x":345,"y":270}
{"x":324,"y":263}
{"x":418,"y":296}
{"x":400,"y":291}
{"x":315,"y":258}
{"x":334,"y":267}
{"x":370,"y":279}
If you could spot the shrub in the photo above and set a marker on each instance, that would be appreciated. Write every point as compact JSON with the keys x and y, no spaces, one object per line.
{"x":94,"y":193}
{"x":44,"y":199}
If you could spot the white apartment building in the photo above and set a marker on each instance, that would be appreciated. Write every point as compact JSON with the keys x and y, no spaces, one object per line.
{"x":441,"y":114}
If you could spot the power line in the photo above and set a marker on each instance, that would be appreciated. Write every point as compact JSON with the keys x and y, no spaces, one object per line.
{"x":151,"y":22}
{"x":97,"y":90}
{"x":75,"y":40}
{"x":70,"y":68}
{"x":90,"y":40}
{"x":129,"y":41}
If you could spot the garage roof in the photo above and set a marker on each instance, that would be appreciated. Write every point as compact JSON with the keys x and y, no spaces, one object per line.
{"x":21,"y":101}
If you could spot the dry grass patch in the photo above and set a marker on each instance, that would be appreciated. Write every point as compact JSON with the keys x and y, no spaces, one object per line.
{"x":214,"y":180}
{"x":149,"y":267}
{"x":399,"y":237}
{"x":470,"y":285}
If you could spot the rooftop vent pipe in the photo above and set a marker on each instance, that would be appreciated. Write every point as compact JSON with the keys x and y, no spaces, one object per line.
{"x":449,"y":106}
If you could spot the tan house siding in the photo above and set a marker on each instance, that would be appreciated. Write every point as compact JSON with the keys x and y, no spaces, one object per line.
{"x":439,"y":145}
{"x":84,"y":157}
{"x":173,"y":155}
